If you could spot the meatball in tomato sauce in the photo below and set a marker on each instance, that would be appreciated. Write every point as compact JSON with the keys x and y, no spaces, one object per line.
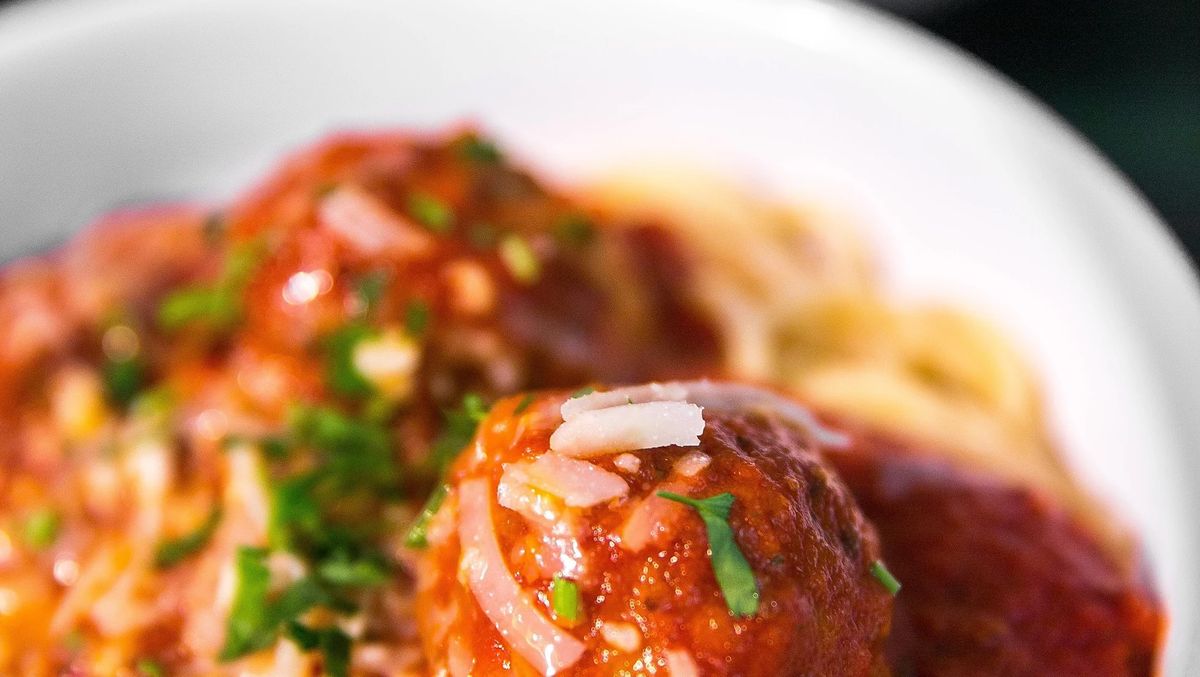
{"x":1001,"y":578}
{"x":685,"y":529}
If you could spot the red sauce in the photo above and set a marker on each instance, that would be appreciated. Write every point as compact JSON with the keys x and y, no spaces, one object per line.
{"x":821,"y":609}
{"x":998,"y":579}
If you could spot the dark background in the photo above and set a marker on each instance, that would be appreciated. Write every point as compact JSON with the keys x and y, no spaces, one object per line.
{"x":1126,"y":73}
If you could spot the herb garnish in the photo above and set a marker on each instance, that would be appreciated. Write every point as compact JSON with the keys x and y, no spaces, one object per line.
{"x":218,"y":305}
{"x":523,"y":404}
{"x":430,"y":212}
{"x":733,"y":572}
{"x":122,"y":379}
{"x":172,"y":552}
{"x":41,"y":528}
{"x":576,"y":230}
{"x":885,"y":577}
{"x":564,"y":598}
{"x":481,"y":150}
{"x":331,"y":475}
{"x":333,"y":643}
{"x":147,"y":667}
{"x":353,"y":452}
{"x":459,"y":430}
{"x":370,"y":288}
{"x":340,"y":373}
{"x":417,"y":536}
{"x":122,"y":371}
{"x":416,"y":318}
{"x":256,"y":616}
{"x":586,"y":390}
{"x":361,"y":572}
{"x":520,"y":259}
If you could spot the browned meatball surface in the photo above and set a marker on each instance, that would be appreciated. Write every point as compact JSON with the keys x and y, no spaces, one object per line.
{"x":555,"y":553}
{"x":999,"y":579}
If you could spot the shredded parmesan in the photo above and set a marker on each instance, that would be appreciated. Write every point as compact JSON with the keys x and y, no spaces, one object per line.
{"x":681,"y":664}
{"x":622,"y":636}
{"x":629,"y":427}
{"x":713,"y":395}
{"x":651,"y":392}
{"x":627,"y":463}
{"x":734,"y":396}
{"x":529,"y":633}
{"x":691,"y":463}
{"x":370,"y":226}
{"x":578,"y":483}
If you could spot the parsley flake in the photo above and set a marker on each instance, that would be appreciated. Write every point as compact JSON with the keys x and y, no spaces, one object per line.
{"x":523,"y":404}
{"x":734,"y":575}
{"x":416,"y":318}
{"x":479,"y":149}
{"x":417,"y":536}
{"x":341,"y":375}
{"x":564,"y":598}
{"x":519,"y":258}
{"x":172,"y":552}
{"x":431,"y":212}
{"x":41,"y":528}
{"x":885,"y":577}
{"x":217,"y":305}
{"x":459,"y":430}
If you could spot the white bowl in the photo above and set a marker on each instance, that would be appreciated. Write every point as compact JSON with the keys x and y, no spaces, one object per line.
{"x":973,"y":193}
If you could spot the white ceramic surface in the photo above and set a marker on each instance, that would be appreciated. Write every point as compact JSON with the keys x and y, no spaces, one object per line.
{"x":973,"y":193}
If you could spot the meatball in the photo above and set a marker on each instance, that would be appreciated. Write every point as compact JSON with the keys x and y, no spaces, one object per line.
{"x":999,"y":578}
{"x":635,"y":531}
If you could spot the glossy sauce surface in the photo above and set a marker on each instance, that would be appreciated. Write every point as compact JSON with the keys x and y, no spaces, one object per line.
{"x":821,"y":611}
{"x":999,"y":579}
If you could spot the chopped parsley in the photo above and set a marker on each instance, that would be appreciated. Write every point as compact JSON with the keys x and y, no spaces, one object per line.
{"x":257,"y":616}
{"x":416,"y":318}
{"x":586,"y":390}
{"x":479,"y":149}
{"x":172,"y":552}
{"x":147,"y":667}
{"x":250,"y":626}
{"x":575,"y":230}
{"x":564,"y":598}
{"x":370,"y":288}
{"x":217,"y":305}
{"x":353,"y":452}
{"x":330,"y":477}
{"x":430,"y":212}
{"x":523,"y":404}
{"x":331,"y":641}
{"x":122,"y":379}
{"x":41,"y":528}
{"x":357,"y":572}
{"x":341,"y":375}
{"x":885,"y":577}
{"x":295,"y":514}
{"x":519,"y":258}
{"x":417,"y":536}
{"x":458,"y":431}
{"x":734,"y":575}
